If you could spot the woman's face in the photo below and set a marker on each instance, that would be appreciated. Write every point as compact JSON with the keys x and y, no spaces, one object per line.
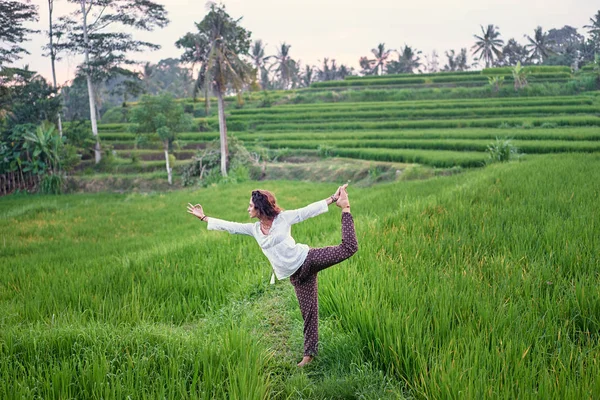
{"x":251,"y":210}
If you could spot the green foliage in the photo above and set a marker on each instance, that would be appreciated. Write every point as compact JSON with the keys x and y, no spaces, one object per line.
{"x":519,"y":74}
{"x":111,"y":43}
{"x":325,"y":150}
{"x":496,"y":82}
{"x":204,"y":168}
{"x":502,"y":150}
{"x":13,"y":16}
{"x":52,"y":184}
{"x":116,"y":115}
{"x":160,"y":115}
{"x":266,"y":101}
{"x":79,"y":134}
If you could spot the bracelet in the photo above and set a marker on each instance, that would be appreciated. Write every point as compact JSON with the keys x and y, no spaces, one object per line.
{"x":203,"y":218}
{"x":333,"y":198}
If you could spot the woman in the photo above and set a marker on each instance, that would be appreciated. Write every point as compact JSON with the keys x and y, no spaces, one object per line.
{"x":288,"y":258}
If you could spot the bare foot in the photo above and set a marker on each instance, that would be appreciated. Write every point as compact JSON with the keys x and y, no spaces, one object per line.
{"x":343,"y":201}
{"x":305,"y":360}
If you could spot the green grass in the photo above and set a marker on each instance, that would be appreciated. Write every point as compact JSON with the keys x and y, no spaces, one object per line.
{"x":479,"y":285}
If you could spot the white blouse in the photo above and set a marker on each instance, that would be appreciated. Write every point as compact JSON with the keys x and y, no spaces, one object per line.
{"x":285,"y":255}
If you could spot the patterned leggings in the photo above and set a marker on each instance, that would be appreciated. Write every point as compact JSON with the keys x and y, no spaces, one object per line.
{"x":305,"y":280}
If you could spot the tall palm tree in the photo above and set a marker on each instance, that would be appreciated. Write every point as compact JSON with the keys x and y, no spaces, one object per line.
{"x":539,"y":47}
{"x":594,"y":31}
{"x":147,"y":74}
{"x":217,"y":47}
{"x":408,"y":60}
{"x":53,"y":58}
{"x":381,"y":56}
{"x":257,"y":53}
{"x":307,"y":77}
{"x":488,"y":45}
{"x":284,"y":65}
{"x":594,"y":27}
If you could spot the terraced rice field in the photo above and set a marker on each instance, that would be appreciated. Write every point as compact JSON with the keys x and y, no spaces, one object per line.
{"x":439,"y":133}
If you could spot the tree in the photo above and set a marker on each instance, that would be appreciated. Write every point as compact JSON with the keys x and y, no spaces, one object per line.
{"x":217,"y":46}
{"x":513,"y":53}
{"x":307,"y":77}
{"x":539,"y":45}
{"x":565,"y":44}
{"x":53,"y":57}
{"x":162,"y":116}
{"x":13,"y":14}
{"x":284,"y":65}
{"x":594,"y":31}
{"x":367,"y":67}
{"x":408,"y":61}
{"x":27,"y":100}
{"x":97,"y":31}
{"x":259,"y":60}
{"x":564,"y":40}
{"x":456,"y":62}
{"x":487,"y":45}
{"x":381,"y":56}
{"x":432,"y":63}
{"x":327,"y":72}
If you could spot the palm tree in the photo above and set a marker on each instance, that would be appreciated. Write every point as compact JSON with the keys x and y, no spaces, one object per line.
{"x":53,"y":58}
{"x":488,"y":45}
{"x":366,"y":66}
{"x":381,"y":56}
{"x":217,"y":47}
{"x":539,"y":46}
{"x":147,"y":74}
{"x":307,"y":77}
{"x":408,"y":61}
{"x":257,"y":53}
{"x":594,"y":29}
{"x":284,"y":65}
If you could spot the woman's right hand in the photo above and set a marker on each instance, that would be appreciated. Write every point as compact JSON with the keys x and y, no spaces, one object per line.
{"x":196,"y":210}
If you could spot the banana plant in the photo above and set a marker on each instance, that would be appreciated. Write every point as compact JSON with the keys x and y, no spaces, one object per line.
{"x":44,"y":145}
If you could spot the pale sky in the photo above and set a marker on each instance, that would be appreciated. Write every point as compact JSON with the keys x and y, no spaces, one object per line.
{"x":342,"y":29}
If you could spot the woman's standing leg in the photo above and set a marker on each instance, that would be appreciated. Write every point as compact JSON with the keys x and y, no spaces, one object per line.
{"x":306,"y":292}
{"x":305,"y":280}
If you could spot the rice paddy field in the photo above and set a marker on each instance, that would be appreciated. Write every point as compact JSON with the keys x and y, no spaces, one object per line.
{"x":437,"y":133}
{"x":483,"y":284}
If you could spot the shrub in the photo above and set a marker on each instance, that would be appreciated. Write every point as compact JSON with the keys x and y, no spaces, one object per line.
{"x":325,"y":150}
{"x":206,"y":164}
{"x":501,"y":150}
{"x":52,"y":184}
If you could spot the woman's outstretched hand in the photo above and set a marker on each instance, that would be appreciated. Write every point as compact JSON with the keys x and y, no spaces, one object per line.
{"x":338,"y":192}
{"x":196,"y":211}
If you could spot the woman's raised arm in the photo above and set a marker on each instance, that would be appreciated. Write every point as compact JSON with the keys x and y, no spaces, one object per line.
{"x":215,"y":224}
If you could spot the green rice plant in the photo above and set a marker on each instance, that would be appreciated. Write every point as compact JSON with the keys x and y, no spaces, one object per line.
{"x":589,"y":134}
{"x":568,"y":120}
{"x":350,"y":107}
{"x":242,"y":123}
{"x":480,"y":284}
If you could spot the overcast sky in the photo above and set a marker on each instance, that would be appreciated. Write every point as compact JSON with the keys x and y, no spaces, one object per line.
{"x":343,"y":29}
